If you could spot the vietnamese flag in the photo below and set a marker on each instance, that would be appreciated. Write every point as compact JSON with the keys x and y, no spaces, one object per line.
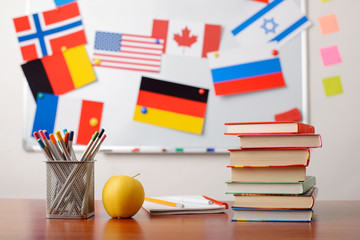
{"x":187,"y":38}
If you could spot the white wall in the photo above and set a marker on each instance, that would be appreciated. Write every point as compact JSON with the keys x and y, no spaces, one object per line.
{"x":335,"y":118}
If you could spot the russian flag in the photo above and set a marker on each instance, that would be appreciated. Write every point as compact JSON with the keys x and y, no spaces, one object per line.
{"x":59,"y":73}
{"x":242,"y":70}
{"x":57,"y":113}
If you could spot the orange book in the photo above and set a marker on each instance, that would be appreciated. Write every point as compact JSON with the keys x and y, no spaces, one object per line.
{"x":283,"y":127}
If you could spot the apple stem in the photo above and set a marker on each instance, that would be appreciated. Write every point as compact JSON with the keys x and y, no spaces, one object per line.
{"x":136,"y":175}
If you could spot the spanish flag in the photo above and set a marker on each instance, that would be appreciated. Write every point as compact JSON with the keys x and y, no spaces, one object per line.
{"x":171,"y":105}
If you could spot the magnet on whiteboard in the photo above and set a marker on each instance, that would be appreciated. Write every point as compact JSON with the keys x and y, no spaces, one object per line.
{"x":201,"y":91}
{"x":94,"y":122}
{"x":216,"y":54}
{"x":143,"y":110}
{"x":63,"y":48}
{"x":97,"y":61}
{"x":275,"y":52}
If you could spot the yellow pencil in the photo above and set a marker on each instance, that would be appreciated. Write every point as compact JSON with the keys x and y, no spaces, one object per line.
{"x":167,"y":203}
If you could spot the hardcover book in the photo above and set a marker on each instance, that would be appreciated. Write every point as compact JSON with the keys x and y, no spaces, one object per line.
{"x":272,"y":215}
{"x":268,"y":127}
{"x":268,"y":174}
{"x":270,"y":157}
{"x":233,"y":187}
{"x":277,"y":201}
{"x":306,"y":140}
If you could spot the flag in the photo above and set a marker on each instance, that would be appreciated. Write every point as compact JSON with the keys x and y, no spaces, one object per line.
{"x":57,"y":113}
{"x":46,"y":33}
{"x":264,"y":1}
{"x":290,"y":115}
{"x":126,"y":51}
{"x":187,"y":38}
{"x":62,"y":2}
{"x":277,"y":22}
{"x":59,"y":73}
{"x":171,"y":105}
{"x":241,"y":70}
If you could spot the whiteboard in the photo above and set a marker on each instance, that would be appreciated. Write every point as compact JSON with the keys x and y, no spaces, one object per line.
{"x":118,"y":89}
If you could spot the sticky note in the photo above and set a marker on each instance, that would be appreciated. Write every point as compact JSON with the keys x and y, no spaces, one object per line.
{"x":330,"y":55}
{"x":328,"y":24}
{"x":332,"y":86}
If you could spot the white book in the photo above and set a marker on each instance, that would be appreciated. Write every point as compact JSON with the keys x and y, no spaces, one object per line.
{"x":187,"y":204}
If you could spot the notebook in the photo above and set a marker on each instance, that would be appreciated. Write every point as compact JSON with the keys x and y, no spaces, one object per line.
{"x":189,"y":206}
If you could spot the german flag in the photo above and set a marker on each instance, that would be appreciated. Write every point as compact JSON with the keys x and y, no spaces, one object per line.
{"x":171,"y":105}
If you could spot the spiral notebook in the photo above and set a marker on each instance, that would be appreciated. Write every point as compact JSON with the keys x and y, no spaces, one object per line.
{"x":187,"y":204}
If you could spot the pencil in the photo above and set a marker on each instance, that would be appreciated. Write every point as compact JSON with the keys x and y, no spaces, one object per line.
{"x":167,"y":203}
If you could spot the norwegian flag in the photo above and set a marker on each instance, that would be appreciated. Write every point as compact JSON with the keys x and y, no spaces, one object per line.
{"x":46,"y":33}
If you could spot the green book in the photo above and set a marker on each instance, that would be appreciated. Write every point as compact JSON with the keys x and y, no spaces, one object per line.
{"x":270,"y":187}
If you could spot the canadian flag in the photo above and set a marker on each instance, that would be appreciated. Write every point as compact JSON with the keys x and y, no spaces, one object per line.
{"x":187,"y":38}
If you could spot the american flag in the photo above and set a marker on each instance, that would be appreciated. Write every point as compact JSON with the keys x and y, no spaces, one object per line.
{"x":46,"y":33}
{"x":126,"y":51}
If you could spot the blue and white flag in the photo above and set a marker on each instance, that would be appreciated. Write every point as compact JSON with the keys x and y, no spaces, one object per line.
{"x":278,"y":22}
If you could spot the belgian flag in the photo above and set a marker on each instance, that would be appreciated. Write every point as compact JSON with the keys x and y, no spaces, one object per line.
{"x":171,"y":105}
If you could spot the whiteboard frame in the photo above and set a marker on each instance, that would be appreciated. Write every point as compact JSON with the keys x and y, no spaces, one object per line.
{"x":114,"y":149}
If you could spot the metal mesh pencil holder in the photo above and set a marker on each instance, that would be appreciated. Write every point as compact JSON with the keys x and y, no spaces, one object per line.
{"x":70,"y":189}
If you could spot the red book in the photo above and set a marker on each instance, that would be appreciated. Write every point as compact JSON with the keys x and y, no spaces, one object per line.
{"x":305,"y":140}
{"x":279,"y":127}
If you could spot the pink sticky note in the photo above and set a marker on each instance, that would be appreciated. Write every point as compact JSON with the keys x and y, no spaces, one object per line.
{"x":330,"y":55}
{"x":328,"y":24}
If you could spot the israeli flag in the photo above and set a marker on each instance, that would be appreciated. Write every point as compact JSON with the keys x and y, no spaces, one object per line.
{"x":279,"y":21}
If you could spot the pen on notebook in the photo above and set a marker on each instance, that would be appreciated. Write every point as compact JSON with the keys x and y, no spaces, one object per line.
{"x":44,"y":149}
{"x":191,"y":200}
{"x":62,"y":143}
{"x":51,"y":147}
{"x":92,"y":156}
{"x":88,"y":157}
{"x":91,"y":142}
{"x":70,"y":147}
{"x":56,"y":146}
{"x":167,"y":203}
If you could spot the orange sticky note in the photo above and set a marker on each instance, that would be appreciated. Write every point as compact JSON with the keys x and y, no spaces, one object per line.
{"x":328,"y":24}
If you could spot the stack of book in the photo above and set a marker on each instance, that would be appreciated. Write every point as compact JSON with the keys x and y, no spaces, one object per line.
{"x":268,"y":171}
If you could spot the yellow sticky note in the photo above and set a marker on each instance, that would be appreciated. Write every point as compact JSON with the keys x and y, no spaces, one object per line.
{"x":332,"y":86}
{"x":79,"y":65}
{"x":328,"y":24}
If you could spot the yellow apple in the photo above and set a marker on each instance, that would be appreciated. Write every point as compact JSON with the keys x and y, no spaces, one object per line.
{"x":122,"y":196}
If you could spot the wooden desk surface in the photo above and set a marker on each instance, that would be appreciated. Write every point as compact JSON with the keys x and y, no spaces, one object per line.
{"x":25,"y":219}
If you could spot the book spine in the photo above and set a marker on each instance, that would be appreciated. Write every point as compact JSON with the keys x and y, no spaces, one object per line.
{"x":305,"y":128}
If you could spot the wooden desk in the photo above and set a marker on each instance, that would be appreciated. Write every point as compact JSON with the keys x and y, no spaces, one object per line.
{"x":25,"y":219}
